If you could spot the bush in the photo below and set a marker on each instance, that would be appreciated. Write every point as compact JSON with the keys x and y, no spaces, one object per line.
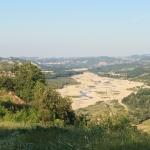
{"x":109,"y":121}
{"x":3,"y":111}
{"x":51,"y":105}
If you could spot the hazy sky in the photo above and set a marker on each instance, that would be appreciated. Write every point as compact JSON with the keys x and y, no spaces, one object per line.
{"x":67,"y":28}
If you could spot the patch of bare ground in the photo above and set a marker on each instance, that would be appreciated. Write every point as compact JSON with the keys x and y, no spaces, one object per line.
{"x":94,"y":88}
{"x":144,"y":128}
{"x":4,"y":95}
{"x":120,"y":102}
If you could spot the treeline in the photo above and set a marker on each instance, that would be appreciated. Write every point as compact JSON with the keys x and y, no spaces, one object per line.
{"x":59,"y":83}
{"x":59,"y":77}
{"x":133,"y":71}
{"x":115,"y":67}
{"x":140,"y":74}
{"x":29,"y":83}
{"x":80,"y":62}
{"x":62,"y":73}
{"x":139,"y":105}
{"x":42,"y":104}
{"x":136,"y":72}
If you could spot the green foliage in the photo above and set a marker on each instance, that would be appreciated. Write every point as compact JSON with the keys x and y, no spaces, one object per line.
{"x":136,"y":72}
{"x":71,"y":138}
{"x":21,"y":79}
{"x":26,"y":77}
{"x":115,"y":67}
{"x":26,"y":115}
{"x":3,"y":111}
{"x":59,"y":122}
{"x":9,"y":111}
{"x":51,"y":105}
{"x":62,"y":73}
{"x":6,"y":82}
{"x":23,"y":115}
{"x":7,"y":103}
{"x":100,"y":107}
{"x":29,"y":83}
{"x":110,"y":121}
{"x":138,"y":105}
{"x":61,"y":82}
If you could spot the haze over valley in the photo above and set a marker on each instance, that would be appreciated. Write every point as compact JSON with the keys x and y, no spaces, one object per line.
{"x":74,"y":75}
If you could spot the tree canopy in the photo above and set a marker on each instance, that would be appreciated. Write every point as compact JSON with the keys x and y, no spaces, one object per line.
{"x":51,"y":105}
{"x":25,"y":78}
{"x":29,"y":83}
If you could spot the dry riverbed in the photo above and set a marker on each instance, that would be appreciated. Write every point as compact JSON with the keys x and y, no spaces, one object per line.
{"x":94,"y":88}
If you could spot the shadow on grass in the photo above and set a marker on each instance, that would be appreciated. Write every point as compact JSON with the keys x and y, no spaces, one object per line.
{"x":41,"y":137}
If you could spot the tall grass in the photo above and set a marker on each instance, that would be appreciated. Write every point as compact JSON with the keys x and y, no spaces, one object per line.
{"x":45,"y":137}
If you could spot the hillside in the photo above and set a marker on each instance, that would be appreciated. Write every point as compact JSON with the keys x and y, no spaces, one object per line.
{"x":11,"y":60}
{"x":139,"y":105}
{"x":46,"y":119}
{"x":86,"y":62}
{"x":8,"y":95}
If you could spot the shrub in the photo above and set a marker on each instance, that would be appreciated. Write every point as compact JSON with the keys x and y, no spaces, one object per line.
{"x":109,"y":121}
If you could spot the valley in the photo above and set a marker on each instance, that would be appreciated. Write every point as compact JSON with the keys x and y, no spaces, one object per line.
{"x":93,"y":88}
{"x":74,"y":75}
{"x":57,"y":104}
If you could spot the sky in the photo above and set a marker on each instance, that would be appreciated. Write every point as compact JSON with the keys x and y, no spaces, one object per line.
{"x":74,"y":28}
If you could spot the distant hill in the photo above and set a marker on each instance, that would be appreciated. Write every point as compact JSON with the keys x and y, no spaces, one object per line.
{"x":11,"y":60}
{"x":85,"y":62}
{"x":77,"y":62}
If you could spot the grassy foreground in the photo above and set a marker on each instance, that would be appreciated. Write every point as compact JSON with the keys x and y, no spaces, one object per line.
{"x":15,"y":136}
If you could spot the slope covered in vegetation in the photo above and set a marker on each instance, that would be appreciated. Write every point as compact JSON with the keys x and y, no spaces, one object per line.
{"x":45,"y":119}
{"x":29,"y":83}
{"x":139,"y":105}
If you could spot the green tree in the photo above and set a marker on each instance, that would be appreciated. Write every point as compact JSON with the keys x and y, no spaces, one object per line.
{"x":6,"y":82}
{"x":51,"y":105}
{"x":6,"y":77}
{"x":25,"y":78}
